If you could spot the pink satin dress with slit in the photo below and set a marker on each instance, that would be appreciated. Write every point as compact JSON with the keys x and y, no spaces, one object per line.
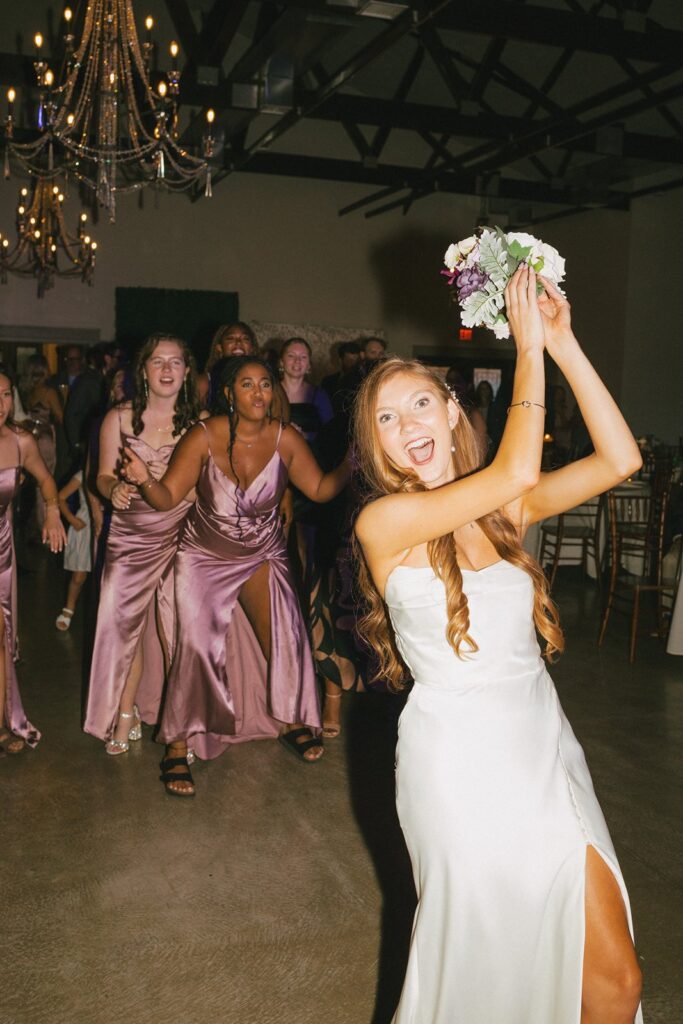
{"x":137,"y":585}
{"x":15,"y":717}
{"x":220,"y":689}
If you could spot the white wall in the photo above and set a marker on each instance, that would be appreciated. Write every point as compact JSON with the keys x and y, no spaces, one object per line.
{"x":279,"y":243}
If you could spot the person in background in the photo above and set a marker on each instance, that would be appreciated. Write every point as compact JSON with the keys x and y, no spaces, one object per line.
{"x":229,"y":341}
{"x":18,"y":452}
{"x":77,"y":553}
{"x":242,"y":668}
{"x":135,"y":631}
{"x":87,"y":398}
{"x":374,"y":351}
{"x":349,"y":356}
{"x":309,"y":410}
{"x":461,"y":390}
{"x":44,"y":414}
{"x":72,"y":367}
{"x":483,"y":399}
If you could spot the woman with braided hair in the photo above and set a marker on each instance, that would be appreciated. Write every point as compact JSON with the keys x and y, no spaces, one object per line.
{"x":135,"y":621}
{"x":243,"y":667}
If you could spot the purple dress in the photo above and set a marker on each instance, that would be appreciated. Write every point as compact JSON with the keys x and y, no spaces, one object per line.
{"x":138,"y":567}
{"x":220,"y":690}
{"x":15,"y":716}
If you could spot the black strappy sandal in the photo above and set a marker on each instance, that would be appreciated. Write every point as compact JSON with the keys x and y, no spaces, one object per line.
{"x":289,"y":741}
{"x":168,"y":776}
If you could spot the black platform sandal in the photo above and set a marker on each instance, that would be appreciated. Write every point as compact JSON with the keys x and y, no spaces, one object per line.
{"x":289,"y":741}
{"x":168,"y":776}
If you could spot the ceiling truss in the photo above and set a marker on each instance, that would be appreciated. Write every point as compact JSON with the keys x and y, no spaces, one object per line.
{"x":537,"y":163}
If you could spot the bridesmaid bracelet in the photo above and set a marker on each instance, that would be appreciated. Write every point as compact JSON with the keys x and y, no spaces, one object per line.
{"x":148,"y":482}
{"x":526,"y":404}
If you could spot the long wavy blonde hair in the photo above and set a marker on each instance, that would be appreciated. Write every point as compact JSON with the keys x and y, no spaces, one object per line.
{"x":383,"y":476}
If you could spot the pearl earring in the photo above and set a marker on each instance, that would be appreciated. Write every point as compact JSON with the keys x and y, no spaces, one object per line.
{"x":452,"y":447}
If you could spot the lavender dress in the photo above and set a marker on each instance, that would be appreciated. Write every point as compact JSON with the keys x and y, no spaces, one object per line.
{"x":220,"y":690}
{"x":138,"y":567}
{"x":15,"y":716}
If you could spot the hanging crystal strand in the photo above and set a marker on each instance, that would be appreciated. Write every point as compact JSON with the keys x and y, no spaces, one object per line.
{"x":6,"y":167}
{"x":50,"y":156}
{"x":207,"y":190}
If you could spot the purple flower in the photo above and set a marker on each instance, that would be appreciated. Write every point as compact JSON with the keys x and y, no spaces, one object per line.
{"x":471,"y":280}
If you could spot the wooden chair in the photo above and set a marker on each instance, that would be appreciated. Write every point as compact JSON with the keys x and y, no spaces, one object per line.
{"x":573,"y":533}
{"x":636,"y":531}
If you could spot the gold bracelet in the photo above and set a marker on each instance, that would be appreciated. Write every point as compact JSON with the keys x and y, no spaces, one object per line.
{"x":148,"y":482}
{"x":525,"y":405}
{"x":51,"y":501}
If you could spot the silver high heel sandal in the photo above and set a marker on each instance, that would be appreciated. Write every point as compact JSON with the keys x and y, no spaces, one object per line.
{"x":114,"y":747}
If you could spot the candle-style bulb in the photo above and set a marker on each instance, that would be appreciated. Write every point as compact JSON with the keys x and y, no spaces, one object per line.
{"x":38,"y":40}
{"x":68,"y":14}
{"x":162,"y":88}
{"x":211,"y":115}
{"x":84,"y":217}
{"x":49,"y":78}
{"x":149,"y":23}
{"x":11,"y":95}
{"x":174,"y":49}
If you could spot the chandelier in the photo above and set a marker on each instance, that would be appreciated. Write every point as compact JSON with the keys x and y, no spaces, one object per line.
{"x":44,"y":249}
{"x":100,"y":120}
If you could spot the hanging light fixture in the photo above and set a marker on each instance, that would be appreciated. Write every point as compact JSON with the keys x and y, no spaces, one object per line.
{"x":44,"y":249}
{"x":103,"y":122}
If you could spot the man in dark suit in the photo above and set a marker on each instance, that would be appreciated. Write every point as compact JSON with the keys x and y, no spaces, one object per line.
{"x":87,"y":398}
{"x":349,"y":355}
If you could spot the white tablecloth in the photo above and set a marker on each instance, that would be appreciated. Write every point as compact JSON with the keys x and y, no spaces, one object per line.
{"x":675,"y":641}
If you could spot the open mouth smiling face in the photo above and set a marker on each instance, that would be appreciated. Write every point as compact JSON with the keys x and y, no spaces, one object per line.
{"x":415,"y":425}
{"x":165,"y":368}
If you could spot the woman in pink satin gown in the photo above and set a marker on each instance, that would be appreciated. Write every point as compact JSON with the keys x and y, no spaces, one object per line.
{"x":135,"y":629}
{"x":242,"y":668}
{"x":18,"y":450}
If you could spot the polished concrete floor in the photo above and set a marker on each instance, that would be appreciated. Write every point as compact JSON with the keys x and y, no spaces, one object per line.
{"x":282,"y":891}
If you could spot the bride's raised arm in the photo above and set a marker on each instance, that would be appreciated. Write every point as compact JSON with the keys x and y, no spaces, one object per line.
{"x":388,"y":527}
{"x":616,"y":454}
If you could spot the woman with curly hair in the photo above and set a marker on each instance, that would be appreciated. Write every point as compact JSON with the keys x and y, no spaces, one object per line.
{"x":135,"y":629}
{"x":523,"y":915}
{"x":243,"y":667}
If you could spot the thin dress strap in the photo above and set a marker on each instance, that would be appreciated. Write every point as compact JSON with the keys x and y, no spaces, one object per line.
{"x":279,"y":435}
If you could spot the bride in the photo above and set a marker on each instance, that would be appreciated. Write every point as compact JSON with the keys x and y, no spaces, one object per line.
{"x":523,"y":915}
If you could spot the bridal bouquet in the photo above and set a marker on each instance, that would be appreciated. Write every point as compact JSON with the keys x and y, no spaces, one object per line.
{"x":480,"y":267}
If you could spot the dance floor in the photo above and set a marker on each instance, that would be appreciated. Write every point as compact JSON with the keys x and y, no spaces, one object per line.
{"x":282,"y":892}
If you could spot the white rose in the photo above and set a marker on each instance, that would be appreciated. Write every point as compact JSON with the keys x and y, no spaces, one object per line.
{"x":525,"y":241}
{"x":553,"y":263}
{"x":501,"y":329}
{"x":472,"y":258}
{"x":451,"y":257}
{"x":467,"y":245}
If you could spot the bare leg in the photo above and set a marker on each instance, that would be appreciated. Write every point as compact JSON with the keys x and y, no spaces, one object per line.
{"x":255,"y":600}
{"x":74,"y":590}
{"x":10,"y":743}
{"x":123,"y":725}
{"x":332,"y":710}
{"x":612,"y":979}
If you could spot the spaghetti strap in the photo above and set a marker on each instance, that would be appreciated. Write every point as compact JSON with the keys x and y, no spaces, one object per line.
{"x":279,"y":435}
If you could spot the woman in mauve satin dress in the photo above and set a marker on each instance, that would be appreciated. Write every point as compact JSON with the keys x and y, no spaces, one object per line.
{"x":135,"y":629}
{"x":242,"y":668}
{"x":18,"y":450}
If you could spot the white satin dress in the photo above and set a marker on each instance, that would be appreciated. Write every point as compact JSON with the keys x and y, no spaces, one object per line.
{"x":497,"y":807}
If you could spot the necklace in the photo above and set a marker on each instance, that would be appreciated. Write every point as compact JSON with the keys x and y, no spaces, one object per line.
{"x":163,"y":430}
{"x":247,"y":444}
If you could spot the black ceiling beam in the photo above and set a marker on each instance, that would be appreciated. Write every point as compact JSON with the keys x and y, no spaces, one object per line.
{"x":219,"y":30}
{"x":396,"y":30}
{"x":587,"y":32}
{"x":458,"y":86}
{"x":330,"y":169}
